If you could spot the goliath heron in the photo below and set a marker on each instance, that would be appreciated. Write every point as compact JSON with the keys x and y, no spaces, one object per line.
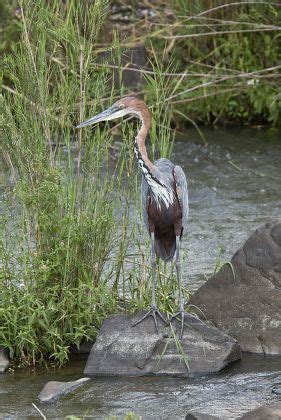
{"x":164,"y":197}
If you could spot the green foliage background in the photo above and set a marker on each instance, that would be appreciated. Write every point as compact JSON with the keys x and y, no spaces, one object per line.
{"x":235,"y":46}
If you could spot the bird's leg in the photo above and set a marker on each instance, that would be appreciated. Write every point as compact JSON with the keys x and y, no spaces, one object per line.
{"x":153,"y":310}
{"x":181,"y":302}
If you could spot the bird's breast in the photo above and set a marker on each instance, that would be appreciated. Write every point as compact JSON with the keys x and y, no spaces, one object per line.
{"x":162,"y":215}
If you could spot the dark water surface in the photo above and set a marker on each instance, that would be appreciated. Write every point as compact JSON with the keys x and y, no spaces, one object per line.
{"x":234,"y":186}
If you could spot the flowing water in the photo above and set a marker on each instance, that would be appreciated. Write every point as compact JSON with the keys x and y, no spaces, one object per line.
{"x":234,"y":186}
{"x":242,"y":387}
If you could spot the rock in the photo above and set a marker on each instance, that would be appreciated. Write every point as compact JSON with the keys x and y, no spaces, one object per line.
{"x":247,"y":305}
{"x":200,"y":416}
{"x":132,"y":61}
{"x":85,"y":347}
{"x":276,"y":389}
{"x":267,"y":412}
{"x":4,"y":359}
{"x":55,"y":389}
{"x":123,"y":350}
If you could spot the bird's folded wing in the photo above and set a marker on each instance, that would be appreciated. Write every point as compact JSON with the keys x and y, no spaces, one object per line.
{"x":144,"y":201}
{"x":182,"y":194}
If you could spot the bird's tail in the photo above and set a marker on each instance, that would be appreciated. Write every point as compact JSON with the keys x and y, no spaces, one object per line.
{"x":165,"y":251}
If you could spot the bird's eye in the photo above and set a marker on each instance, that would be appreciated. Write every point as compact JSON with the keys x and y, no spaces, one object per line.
{"x":122,"y":106}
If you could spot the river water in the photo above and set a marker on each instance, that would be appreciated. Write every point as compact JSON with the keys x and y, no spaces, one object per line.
{"x":242,"y":387}
{"x":234,"y":186}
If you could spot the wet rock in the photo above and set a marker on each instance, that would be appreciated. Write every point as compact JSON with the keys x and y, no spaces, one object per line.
{"x":276,"y":389}
{"x":121,"y":349}
{"x":200,"y":416}
{"x":244,"y":298}
{"x":4,"y":359}
{"x":267,"y":412}
{"x":55,"y":389}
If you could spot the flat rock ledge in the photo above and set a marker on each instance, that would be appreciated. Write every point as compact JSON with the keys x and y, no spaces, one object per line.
{"x":125,"y":350}
{"x":244,"y":299}
{"x":4,"y":359}
{"x":53,"y":390}
{"x":266,"y":412}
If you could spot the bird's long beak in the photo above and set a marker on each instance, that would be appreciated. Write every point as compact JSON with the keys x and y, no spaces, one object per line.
{"x":109,"y":114}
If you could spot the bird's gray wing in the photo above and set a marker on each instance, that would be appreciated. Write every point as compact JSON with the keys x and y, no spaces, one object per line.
{"x":182,"y":194}
{"x":144,"y":201}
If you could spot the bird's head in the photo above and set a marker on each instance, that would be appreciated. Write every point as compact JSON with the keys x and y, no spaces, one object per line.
{"x":124,"y":106}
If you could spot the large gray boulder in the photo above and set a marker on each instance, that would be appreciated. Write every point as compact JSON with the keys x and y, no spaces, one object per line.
{"x":266,"y":412}
{"x":4,"y":359}
{"x":121,"y":349}
{"x":245,"y":300}
{"x":55,"y":389}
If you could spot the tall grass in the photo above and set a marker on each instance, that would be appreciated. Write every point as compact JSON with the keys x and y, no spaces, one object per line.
{"x":71,"y":216}
{"x":63,"y":228}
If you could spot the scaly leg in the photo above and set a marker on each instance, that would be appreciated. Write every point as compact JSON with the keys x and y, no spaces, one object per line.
{"x":181,"y":303}
{"x":153,"y":310}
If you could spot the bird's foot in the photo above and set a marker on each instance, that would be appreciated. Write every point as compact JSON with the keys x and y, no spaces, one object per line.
{"x":153,"y":311}
{"x":179,"y":316}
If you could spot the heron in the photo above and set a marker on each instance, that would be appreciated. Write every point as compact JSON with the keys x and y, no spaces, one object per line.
{"x":164,"y":199}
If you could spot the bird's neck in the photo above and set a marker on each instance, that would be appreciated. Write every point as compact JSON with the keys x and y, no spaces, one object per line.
{"x":140,"y":149}
{"x":160,"y":191}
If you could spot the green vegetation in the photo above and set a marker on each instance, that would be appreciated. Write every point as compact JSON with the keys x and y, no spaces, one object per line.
{"x":66,"y":253}
{"x":62,"y":258}
{"x":226,"y":55}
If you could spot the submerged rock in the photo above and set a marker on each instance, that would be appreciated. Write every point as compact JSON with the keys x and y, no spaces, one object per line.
{"x":55,"y":389}
{"x":121,"y":349}
{"x":266,"y":412}
{"x":4,"y":359}
{"x":200,"y":416}
{"x":244,"y":298}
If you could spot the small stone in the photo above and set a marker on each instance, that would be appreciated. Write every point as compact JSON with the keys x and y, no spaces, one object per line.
{"x":4,"y":359}
{"x":55,"y":389}
{"x":276,"y":389}
{"x":266,"y":412}
{"x":122,"y":349}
